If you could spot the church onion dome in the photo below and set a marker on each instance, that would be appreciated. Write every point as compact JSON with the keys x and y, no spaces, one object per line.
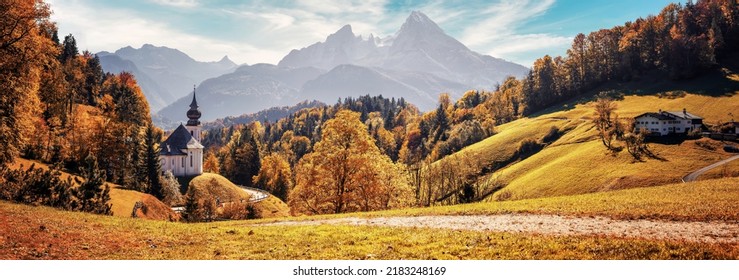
{"x":193,"y":114}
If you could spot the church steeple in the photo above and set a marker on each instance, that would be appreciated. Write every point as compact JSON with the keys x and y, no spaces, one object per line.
{"x":193,"y":114}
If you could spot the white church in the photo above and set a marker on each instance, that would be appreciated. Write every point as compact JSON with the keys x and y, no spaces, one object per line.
{"x":182,"y":152}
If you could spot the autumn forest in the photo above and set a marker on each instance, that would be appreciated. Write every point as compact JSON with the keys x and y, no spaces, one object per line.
{"x":58,"y":107}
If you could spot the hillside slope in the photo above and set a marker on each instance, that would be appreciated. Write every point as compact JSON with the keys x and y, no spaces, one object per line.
{"x":216,"y":186}
{"x":578,"y":162}
{"x":28,"y":232}
{"x":122,"y":201}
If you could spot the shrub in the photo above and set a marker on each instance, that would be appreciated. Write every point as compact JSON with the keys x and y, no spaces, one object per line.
{"x":171,"y":190}
{"x":551,"y":136}
{"x":235,"y":211}
{"x":528,"y":147}
{"x":504,"y":195}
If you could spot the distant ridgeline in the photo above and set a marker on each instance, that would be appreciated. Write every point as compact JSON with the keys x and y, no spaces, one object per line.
{"x":269,"y":115}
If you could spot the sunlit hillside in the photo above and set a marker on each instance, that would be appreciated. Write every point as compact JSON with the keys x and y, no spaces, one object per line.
{"x":210,"y":185}
{"x":578,"y":162}
{"x":47,"y":233}
{"x":121,"y":200}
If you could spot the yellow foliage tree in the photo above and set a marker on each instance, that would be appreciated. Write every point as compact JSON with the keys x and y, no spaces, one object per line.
{"x":211,"y":164}
{"x":346,"y":172}
{"x":275,"y":176}
{"x":24,"y":47}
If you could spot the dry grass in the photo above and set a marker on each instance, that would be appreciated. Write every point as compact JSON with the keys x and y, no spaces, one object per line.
{"x":730,"y":169}
{"x":28,"y":232}
{"x":214,"y":185}
{"x":578,"y":163}
{"x":707,"y":200}
{"x":273,"y":207}
{"x":121,"y":200}
{"x":587,"y":167}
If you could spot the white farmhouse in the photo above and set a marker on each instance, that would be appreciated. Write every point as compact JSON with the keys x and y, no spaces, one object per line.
{"x":182,"y":152}
{"x":668,"y":122}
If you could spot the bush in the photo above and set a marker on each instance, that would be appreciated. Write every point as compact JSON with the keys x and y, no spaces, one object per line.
{"x":253,"y":212}
{"x":235,"y":211}
{"x":171,"y":190}
{"x":504,"y":195}
{"x":551,"y":136}
{"x":37,"y":186}
{"x":528,"y":147}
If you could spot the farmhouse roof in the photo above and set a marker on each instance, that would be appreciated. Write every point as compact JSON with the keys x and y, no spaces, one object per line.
{"x":662,"y":117}
{"x":683,"y":115}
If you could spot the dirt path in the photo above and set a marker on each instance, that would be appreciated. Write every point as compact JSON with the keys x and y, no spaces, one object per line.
{"x":694,"y":175}
{"x":712,"y":232}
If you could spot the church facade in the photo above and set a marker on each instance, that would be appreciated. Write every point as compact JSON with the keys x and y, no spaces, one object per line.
{"x":182,"y":153}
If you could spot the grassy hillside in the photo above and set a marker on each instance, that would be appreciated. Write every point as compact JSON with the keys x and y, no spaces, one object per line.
{"x":730,"y":169}
{"x":273,"y":207}
{"x":699,"y":201}
{"x":214,"y":185}
{"x":45,"y":233}
{"x":121,"y":200}
{"x":707,"y":200}
{"x":578,"y":163}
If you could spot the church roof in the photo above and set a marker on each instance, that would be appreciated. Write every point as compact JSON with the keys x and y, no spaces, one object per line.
{"x":178,"y":141}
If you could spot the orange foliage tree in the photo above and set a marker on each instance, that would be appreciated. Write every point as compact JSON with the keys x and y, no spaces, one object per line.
{"x":24,"y":45}
{"x":275,"y":176}
{"x":346,"y":172}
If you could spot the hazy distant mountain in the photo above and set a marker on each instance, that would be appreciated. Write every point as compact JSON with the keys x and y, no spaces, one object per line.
{"x":342,"y":47}
{"x":422,"y":46}
{"x":246,"y":90}
{"x":419,"y":46}
{"x":171,"y":73}
{"x":271,"y":115}
{"x":157,"y":96}
{"x":421,"y":89}
{"x":417,"y":63}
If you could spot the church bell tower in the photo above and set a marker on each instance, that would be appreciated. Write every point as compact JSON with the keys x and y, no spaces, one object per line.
{"x":193,"y":124}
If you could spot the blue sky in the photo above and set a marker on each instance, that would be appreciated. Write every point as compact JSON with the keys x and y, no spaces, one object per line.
{"x":265,"y":31}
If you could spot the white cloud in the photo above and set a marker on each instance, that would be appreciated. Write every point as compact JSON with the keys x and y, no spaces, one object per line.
{"x":303,"y":23}
{"x":110,"y":29}
{"x":177,"y":3}
{"x":515,"y":45}
{"x":266,"y":31}
{"x":494,"y":28}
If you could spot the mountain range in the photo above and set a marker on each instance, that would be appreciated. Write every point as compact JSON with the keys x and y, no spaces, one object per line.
{"x":418,"y":62}
{"x":164,"y":74}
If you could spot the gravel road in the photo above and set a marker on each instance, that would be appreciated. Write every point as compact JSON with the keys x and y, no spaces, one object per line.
{"x":711,"y":232}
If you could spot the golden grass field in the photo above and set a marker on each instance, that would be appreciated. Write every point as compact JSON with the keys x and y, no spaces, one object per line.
{"x":730,"y":169}
{"x":578,"y":162}
{"x":29,"y":232}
